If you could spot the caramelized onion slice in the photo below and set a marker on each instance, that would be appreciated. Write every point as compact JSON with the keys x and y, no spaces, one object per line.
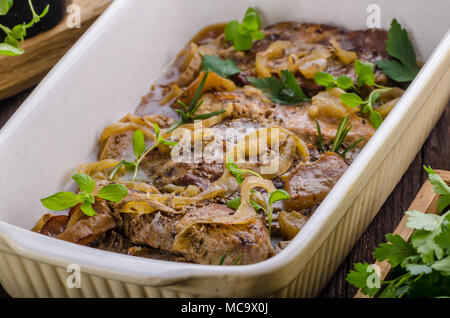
{"x":262,"y":142}
{"x":262,"y":61}
{"x":344,"y":56}
{"x":98,"y":170}
{"x":213,"y":82}
{"x":328,"y":104}
{"x":129,"y":122}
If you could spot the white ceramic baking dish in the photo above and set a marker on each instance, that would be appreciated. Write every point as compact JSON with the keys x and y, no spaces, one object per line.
{"x":103,"y":77}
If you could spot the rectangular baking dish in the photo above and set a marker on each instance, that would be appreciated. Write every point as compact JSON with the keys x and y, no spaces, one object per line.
{"x":104,"y":76}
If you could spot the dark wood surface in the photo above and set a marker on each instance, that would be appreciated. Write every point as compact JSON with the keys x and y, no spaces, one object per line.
{"x":435,"y":152}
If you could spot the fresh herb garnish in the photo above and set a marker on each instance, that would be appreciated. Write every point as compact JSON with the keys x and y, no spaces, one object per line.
{"x":319,"y":137}
{"x":237,"y":259}
{"x":403,"y":68}
{"x":341,"y":133}
{"x":65,"y":200}
{"x":187,"y":114}
{"x":222,"y":258}
{"x":243,"y":34}
{"x":16,"y":35}
{"x":365,"y":76}
{"x":364,"y":73}
{"x":275,"y":196}
{"x":285,"y":92}
{"x":421,"y":266}
{"x":353,"y":100}
{"x":238,"y":172}
{"x":236,"y":202}
{"x":329,"y":81}
{"x":139,"y":150}
{"x":439,"y":187}
{"x":224,"y":255}
{"x":224,"y":68}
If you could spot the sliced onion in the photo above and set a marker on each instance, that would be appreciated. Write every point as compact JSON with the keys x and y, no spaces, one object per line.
{"x":344,"y":56}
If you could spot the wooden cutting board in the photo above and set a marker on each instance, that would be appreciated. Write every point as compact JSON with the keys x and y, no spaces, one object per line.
{"x":43,"y":51}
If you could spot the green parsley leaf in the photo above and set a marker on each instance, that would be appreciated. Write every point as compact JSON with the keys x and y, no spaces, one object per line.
{"x":238,"y":172}
{"x":404,"y":68}
{"x":138,"y":143}
{"x":284,"y":92}
{"x":224,"y":68}
{"x":361,"y":275}
{"x":443,"y":238}
{"x":351,"y":99}
{"x":113,"y":192}
{"x":5,"y":5}
{"x":275,"y":196}
{"x":375,"y":119}
{"x":242,"y":35}
{"x":442,"y":265}
{"x":60,"y":201}
{"x":329,"y":81}
{"x":423,"y":242}
{"x":236,"y":202}
{"x":396,"y":252}
{"x":439,"y":187}
{"x":344,"y":82}
{"x":87,"y":208}
{"x":418,"y":269}
{"x":325,"y":79}
{"x":8,"y":49}
{"x":365,"y":74}
{"x":422,"y":221}
{"x":389,"y":292}
{"x":85,"y":183}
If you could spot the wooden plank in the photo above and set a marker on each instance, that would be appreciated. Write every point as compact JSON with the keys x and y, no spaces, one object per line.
{"x":425,"y":201}
{"x":43,"y":51}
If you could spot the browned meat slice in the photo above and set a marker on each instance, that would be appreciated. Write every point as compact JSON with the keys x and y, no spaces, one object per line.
{"x":155,"y":229}
{"x":309,"y":183}
{"x":51,"y":225}
{"x":113,"y":242}
{"x":148,"y":252}
{"x":161,"y":170}
{"x":89,"y":229}
{"x":206,"y":243}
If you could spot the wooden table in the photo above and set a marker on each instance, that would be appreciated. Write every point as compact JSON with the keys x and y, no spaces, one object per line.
{"x":435,"y":152}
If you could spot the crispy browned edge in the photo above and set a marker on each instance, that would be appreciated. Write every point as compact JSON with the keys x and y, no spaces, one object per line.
{"x":425,"y":201}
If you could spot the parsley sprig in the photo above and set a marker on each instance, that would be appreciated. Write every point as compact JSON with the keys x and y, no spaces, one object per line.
{"x":274,"y":196}
{"x":243,"y":34}
{"x":285,"y":91}
{"x":403,"y":68}
{"x":238,"y":172}
{"x":140,"y":152}
{"x":187,"y":114}
{"x":65,"y":200}
{"x":15,"y":36}
{"x":224,"y":68}
{"x":329,"y":81}
{"x":353,"y":100}
{"x":365,"y":76}
{"x":421,"y":267}
{"x":439,"y":187}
